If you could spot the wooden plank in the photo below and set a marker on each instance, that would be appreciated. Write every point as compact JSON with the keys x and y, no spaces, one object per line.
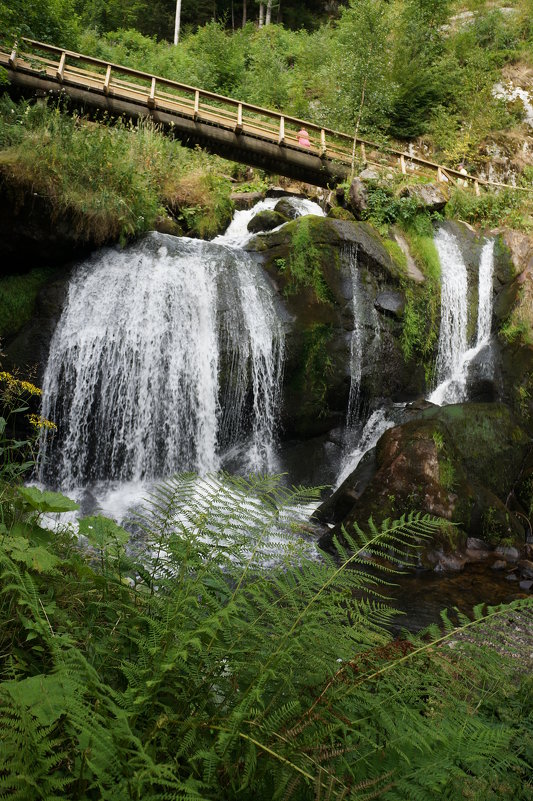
{"x":151,"y":96}
{"x":281,"y":135}
{"x":107,"y":79}
{"x":238,"y":126}
{"x":61,"y":68}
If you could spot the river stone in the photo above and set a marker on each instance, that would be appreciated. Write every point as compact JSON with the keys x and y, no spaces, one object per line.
{"x":526,"y":568}
{"x":392,"y":303}
{"x":265,"y":221}
{"x":499,"y":564}
{"x":358,"y":197}
{"x":339,"y":213}
{"x":507,"y":552}
{"x":432,"y":197}
{"x":286,"y":208}
{"x":526,"y":585}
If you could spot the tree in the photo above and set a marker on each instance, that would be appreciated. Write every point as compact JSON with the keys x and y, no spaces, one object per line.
{"x":177,"y":25}
{"x":363,"y":66}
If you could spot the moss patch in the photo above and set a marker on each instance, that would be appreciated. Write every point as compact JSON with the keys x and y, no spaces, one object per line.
{"x":18,"y":294}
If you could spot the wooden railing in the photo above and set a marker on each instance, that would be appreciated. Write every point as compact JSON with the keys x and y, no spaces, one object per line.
{"x":71,"y":69}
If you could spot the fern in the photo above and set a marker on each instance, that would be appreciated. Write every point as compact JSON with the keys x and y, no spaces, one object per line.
{"x":224,"y":659}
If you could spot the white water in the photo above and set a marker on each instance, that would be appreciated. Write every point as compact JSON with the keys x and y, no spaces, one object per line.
{"x":237,"y":233}
{"x":454,"y":356}
{"x":375,"y":426}
{"x":133,"y":376}
{"x":356,"y":342}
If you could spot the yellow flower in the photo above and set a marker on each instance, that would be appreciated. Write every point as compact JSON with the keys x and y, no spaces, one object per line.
{"x":39,"y":422}
{"x":22,"y":386}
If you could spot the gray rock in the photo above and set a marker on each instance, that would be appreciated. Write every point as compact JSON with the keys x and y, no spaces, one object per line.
{"x":358,"y":197}
{"x":499,"y":564}
{"x":433,"y":197}
{"x":526,"y":585}
{"x":475,"y":544}
{"x":392,"y":303}
{"x":285,"y":207}
{"x":266,"y":221}
{"x":369,"y":174}
{"x":511,"y":577}
{"x":506,"y":552}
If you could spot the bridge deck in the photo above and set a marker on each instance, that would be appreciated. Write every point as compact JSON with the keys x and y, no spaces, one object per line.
{"x":240,"y":131}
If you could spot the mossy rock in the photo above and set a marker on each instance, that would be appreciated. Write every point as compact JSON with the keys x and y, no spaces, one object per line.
{"x":266,"y":220}
{"x":456,"y":462}
{"x":338,"y":213}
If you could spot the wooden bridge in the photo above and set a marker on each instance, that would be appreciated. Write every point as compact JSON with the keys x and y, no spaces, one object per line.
{"x":239,"y":131}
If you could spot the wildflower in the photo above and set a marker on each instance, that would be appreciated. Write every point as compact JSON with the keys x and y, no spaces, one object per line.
{"x":14,"y":384}
{"x":39,"y":422}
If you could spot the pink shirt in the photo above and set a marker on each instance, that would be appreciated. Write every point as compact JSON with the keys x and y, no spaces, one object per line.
{"x":303,"y":138}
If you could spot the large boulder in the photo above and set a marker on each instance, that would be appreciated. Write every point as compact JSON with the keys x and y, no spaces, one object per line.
{"x":358,"y":197}
{"x":461,"y":463}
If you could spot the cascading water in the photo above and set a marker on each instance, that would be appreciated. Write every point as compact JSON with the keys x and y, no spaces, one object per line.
{"x":168,"y":357}
{"x":356,"y":343}
{"x":454,"y":315}
{"x":133,"y":376}
{"x":454,"y":357}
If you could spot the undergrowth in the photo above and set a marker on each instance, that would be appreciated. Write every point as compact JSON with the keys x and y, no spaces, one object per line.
{"x":216,"y":659}
{"x":112,"y":180}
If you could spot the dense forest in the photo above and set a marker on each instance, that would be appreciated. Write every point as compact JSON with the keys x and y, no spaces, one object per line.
{"x":205,"y":649}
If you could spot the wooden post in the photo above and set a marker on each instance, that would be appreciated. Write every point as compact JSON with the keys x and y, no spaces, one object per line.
{"x":281,"y":139}
{"x":440,"y":178}
{"x":196,"y":103}
{"x":402,"y":164}
{"x":476,"y":187}
{"x":238,"y":127}
{"x":61,"y":68}
{"x":322,"y":143}
{"x":107,"y":79}
{"x":151,"y":96}
{"x":363,"y":152}
{"x":13,"y":57}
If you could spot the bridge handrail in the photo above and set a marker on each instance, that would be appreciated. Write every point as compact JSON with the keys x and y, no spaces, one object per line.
{"x":282,"y":119}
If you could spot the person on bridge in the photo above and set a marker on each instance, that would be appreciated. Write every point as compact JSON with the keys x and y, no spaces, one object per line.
{"x":303,"y":138}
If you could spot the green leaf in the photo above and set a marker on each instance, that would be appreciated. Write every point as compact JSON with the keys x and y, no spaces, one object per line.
{"x":101,"y":531}
{"x":45,"y":501}
{"x":35,"y":558}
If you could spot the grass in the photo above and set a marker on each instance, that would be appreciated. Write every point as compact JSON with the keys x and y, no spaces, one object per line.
{"x":112,"y":181}
{"x":17,"y":299}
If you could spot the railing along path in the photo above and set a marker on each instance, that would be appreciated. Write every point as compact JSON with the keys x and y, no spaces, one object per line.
{"x":72,"y":70}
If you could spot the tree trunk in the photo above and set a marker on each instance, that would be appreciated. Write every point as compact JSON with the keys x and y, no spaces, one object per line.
{"x":243,"y":13}
{"x":177,"y":25}
{"x":268,"y":12}
{"x":261,"y":14}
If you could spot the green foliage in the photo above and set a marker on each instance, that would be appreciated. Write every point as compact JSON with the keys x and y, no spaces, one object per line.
{"x":304,"y":265}
{"x":385,"y":207}
{"x":17,"y":299}
{"x":53,"y":21}
{"x":194,"y":673}
{"x":505,"y":207}
{"x":111,"y":181}
{"x":316,"y":366}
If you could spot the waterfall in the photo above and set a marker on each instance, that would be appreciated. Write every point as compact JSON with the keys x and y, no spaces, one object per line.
{"x":154,"y":344}
{"x":486,"y":272}
{"x":375,"y":426}
{"x":454,"y":357}
{"x":356,"y":343}
{"x":454,"y":306}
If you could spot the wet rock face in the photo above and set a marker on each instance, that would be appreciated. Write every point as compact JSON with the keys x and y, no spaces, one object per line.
{"x":321,"y":307}
{"x":266,"y":220}
{"x":459,"y":462}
